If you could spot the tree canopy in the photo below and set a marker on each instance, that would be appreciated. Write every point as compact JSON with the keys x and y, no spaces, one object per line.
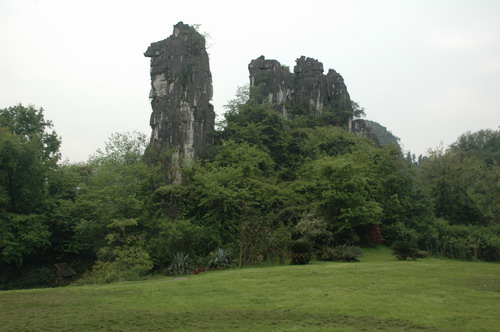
{"x":268,"y":186}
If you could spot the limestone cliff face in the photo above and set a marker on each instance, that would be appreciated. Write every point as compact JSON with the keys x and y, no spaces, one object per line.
{"x":274,"y":83}
{"x":181,"y":90}
{"x":318,"y":89}
{"x":308,"y":85}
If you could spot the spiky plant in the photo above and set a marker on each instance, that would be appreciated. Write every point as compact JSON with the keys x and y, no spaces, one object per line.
{"x":405,"y":250}
{"x":327,"y":254}
{"x":219,"y":259}
{"x":347,"y":253}
{"x":180,"y":264}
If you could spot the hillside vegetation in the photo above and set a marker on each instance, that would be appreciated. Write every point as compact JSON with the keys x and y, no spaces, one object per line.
{"x":269,"y":189}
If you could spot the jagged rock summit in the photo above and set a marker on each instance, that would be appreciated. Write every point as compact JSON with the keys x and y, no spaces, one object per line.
{"x":307,"y":88}
{"x":181,"y":91}
{"x":307,"y":84}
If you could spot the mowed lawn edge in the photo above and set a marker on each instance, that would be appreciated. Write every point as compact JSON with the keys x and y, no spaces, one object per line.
{"x":377,"y":294}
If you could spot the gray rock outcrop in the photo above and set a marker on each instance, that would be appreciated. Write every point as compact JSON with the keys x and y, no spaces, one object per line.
{"x":181,"y":91}
{"x":272,"y":83}
{"x":307,"y":85}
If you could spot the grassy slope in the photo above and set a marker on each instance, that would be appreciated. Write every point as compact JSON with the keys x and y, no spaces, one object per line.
{"x":379,"y":293}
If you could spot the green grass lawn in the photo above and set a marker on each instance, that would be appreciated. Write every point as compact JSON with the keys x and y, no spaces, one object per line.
{"x":377,"y":294}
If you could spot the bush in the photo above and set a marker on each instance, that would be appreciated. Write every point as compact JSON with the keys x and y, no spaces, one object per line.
{"x":462,"y":241}
{"x":253,"y":241}
{"x":30,"y":277}
{"x":134,"y":259}
{"x":327,"y":254}
{"x":180,"y":264}
{"x":301,"y":252}
{"x":219,"y":259}
{"x":279,"y":244}
{"x":343,"y":253}
{"x":314,"y":230}
{"x":118,"y":264}
{"x":405,"y":250}
{"x":347,"y":253}
{"x":106,"y":272}
{"x":400,"y":231}
{"x":423,"y":254}
{"x":172,"y":237}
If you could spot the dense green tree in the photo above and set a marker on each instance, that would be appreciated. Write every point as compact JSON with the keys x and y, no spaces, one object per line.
{"x":342,"y":195}
{"x":235,"y":193}
{"x":28,"y":123}
{"x":464,"y":186}
{"x":463,"y":182}
{"x":233,"y":186}
{"x":167,"y":237}
{"x":483,"y":144}
{"x":123,"y":257}
{"x":258,"y":125}
{"x":406,"y":206}
{"x":29,"y":151}
{"x":242,"y":96}
{"x":22,"y":235}
{"x":338,"y":114}
{"x":117,"y":189}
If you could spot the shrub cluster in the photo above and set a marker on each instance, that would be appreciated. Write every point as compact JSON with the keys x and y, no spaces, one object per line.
{"x":301,"y":252}
{"x":181,"y":264}
{"x":219,"y":259}
{"x":343,"y":253}
{"x":408,"y":250}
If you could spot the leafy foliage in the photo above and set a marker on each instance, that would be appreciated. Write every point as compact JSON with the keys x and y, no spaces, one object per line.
{"x":462,"y":241}
{"x":344,"y":195}
{"x":22,"y":235}
{"x":29,"y":151}
{"x":171,"y":236}
{"x":279,"y":244}
{"x":463,"y":181}
{"x":123,"y":258}
{"x":270,"y":188}
{"x":313,"y":230}
{"x":483,"y":144}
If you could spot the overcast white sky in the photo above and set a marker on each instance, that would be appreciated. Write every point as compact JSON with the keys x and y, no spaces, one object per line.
{"x":428,"y":70}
